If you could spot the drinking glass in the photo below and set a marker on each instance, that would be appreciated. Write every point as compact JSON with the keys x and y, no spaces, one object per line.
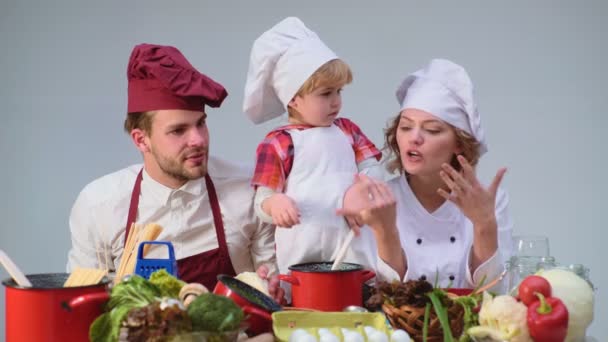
{"x":531,"y":246}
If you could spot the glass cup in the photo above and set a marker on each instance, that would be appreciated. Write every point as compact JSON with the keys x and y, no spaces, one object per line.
{"x":531,"y":246}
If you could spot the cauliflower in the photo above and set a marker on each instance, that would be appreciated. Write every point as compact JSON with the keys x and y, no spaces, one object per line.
{"x":577,"y":295}
{"x":503,"y":317}
{"x":210,"y":312}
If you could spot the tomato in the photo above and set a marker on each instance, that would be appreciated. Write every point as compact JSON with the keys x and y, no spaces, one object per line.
{"x":532,"y":284}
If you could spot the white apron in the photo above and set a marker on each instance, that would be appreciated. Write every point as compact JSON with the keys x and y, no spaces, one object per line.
{"x":324,"y":167}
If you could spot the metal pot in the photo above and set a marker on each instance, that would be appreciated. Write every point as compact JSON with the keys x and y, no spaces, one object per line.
{"x":254,"y":303}
{"x":316,"y":286}
{"x":47,"y":311}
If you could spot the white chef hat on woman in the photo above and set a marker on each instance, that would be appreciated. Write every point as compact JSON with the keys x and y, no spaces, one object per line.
{"x":444,"y":89}
{"x":282,"y":59}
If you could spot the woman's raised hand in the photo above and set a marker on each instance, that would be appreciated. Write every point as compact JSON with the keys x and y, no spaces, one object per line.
{"x":476,"y":201}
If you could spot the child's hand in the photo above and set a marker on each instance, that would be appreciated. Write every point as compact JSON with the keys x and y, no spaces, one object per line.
{"x":282,"y":209}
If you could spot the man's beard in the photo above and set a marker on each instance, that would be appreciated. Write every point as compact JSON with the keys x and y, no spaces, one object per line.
{"x":175,"y":168}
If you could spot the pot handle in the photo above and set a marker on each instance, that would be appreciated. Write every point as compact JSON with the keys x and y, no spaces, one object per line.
{"x":86,"y":300}
{"x":289,"y":279}
{"x":367,"y":275}
{"x":250,"y":310}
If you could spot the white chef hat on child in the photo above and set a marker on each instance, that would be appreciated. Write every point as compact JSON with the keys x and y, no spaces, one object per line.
{"x":444,"y":89}
{"x":282,"y":59}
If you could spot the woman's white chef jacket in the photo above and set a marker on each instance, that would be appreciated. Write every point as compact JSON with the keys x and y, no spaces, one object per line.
{"x":440,"y":242}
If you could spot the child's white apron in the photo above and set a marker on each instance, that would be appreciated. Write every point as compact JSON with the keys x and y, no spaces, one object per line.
{"x":324,"y":167}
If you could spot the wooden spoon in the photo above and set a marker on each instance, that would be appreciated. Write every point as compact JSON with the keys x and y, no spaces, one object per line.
{"x":14,"y":271}
{"x":342,"y":250}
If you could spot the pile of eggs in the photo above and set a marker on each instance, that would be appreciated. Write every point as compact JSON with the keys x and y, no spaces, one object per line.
{"x":371,"y":334}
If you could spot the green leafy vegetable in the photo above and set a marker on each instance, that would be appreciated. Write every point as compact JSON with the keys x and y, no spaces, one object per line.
{"x":470,"y":318}
{"x":136,"y":292}
{"x":442,"y":314}
{"x":99,"y":330}
{"x":425,"y":324}
{"x":169,"y":285}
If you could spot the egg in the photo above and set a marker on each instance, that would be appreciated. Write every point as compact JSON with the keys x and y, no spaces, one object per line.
{"x":306,"y":338}
{"x":297,"y":334}
{"x":400,"y":336}
{"x":328,"y":337}
{"x":377,"y":336}
{"x":369,"y":330}
{"x":323,"y":331}
{"x":352,"y":336}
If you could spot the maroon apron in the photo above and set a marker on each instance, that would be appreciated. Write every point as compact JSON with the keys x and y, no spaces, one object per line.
{"x":199,"y":268}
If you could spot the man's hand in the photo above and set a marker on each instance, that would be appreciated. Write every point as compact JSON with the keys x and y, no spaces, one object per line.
{"x":282,"y":209}
{"x":274,"y":289}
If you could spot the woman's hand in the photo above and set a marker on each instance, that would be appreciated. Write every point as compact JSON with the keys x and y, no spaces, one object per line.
{"x":372,"y":203}
{"x":476,"y":202}
{"x":369,"y":202}
{"x":274,"y":289}
{"x":282,"y":209}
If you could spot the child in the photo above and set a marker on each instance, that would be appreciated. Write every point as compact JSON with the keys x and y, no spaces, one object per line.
{"x":304,"y":168}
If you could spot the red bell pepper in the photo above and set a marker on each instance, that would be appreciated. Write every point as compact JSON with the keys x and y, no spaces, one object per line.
{"x":547,"y":319}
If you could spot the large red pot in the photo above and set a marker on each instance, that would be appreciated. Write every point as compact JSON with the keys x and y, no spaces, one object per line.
{"x":316,"y":286}
{"x":257,"y":306}
{"x":49,"y":312}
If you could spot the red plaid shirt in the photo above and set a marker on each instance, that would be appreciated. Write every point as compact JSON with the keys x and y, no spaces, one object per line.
{"x":274,"y":155}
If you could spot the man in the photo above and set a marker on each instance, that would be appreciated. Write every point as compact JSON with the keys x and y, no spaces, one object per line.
{"x":204,"y":204}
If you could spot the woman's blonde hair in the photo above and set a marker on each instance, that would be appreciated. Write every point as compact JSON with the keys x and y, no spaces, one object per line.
{"x":139,"y":120}
{"x":335,"y":73}
{"x":467,"y":143}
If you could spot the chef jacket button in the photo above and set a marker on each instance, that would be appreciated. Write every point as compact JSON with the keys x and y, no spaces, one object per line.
{"x":423,"y":277}
{"x":452,"y":239}
{"x":452,"y":277}
{"x":419,"y":241}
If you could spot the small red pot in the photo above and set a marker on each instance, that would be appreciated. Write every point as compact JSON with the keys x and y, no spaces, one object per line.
{"x":316,"y":286}
{"x":257,"y":306}
{"x":47,"y":311}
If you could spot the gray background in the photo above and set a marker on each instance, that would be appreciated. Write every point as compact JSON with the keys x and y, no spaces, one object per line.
{"x":538,"y":68}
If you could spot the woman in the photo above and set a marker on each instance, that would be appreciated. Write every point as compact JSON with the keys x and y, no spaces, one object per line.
{"x":452,"y":228}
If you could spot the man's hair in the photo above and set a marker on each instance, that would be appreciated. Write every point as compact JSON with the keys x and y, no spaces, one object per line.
{"x":469,"y":145}
{"x":335,"y":73}
{"x":140,"y":120}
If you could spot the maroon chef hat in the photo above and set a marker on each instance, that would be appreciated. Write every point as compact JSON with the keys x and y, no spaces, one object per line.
{"x":160,"y":77}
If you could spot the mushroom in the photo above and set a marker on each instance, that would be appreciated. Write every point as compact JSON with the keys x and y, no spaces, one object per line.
{"x":190,"y":291}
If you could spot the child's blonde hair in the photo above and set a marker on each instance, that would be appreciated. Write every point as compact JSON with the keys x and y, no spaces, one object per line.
{"x":335,"y":73}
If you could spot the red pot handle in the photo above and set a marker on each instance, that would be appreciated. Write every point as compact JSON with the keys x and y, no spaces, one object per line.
{"x":367,"y":275}
{"x":250,"y":310}
{"x":87,"y":300}
{"x":290,"y":279}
